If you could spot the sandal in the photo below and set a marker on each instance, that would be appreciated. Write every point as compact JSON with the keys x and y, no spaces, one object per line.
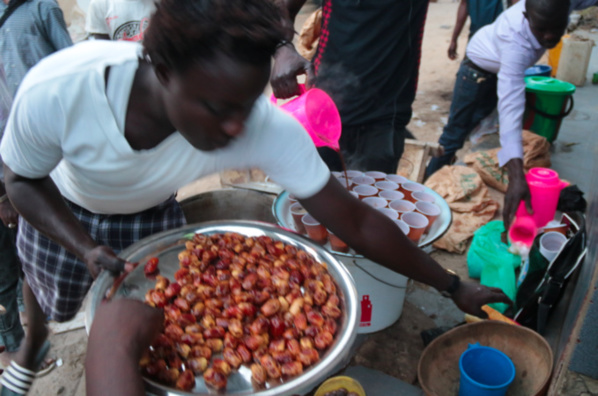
{"x":17,"y":380}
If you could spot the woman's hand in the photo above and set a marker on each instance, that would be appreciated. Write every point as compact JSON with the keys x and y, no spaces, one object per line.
{"x":517,"y":191}
{"x":288,"y":64}
{"x":470,"y":297}
{"x":103,"y":257}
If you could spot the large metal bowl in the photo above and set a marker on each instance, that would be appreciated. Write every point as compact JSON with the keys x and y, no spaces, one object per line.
{"x":166,"y":247}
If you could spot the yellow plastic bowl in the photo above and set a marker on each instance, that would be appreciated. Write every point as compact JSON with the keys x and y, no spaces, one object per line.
{"x":336,"y":383}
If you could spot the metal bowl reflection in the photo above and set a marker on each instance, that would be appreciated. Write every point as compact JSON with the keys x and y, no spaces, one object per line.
{"x":166,"y":247}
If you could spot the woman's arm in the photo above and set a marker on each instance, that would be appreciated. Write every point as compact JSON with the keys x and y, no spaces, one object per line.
{"x":379,"y":239}
{"x":40,"y":203}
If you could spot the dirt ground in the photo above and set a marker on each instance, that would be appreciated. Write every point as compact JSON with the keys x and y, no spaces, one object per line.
{"x":395,"y":350}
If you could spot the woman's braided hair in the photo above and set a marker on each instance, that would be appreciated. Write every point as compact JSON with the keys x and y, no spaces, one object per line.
{"x":183,"y":32}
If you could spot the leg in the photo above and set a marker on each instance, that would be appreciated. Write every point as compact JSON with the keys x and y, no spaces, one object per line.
{"x":488,"y":101}
{"x":37,"y":332}
{"x":378,"y":147}
{"x":19,"y":376}
{"x":471,"y":89}
{"x":11,"y":331}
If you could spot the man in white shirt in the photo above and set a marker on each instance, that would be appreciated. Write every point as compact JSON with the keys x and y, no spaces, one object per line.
{"x":119,"y":19}
{"x":495,"y":63}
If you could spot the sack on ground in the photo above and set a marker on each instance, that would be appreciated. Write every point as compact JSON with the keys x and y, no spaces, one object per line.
{"x":471,"y":207}
{"x":535,"y":154}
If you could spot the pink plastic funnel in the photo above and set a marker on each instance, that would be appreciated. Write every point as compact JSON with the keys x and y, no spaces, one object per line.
{"x":316,"y":111}
{"x":545,"y":188}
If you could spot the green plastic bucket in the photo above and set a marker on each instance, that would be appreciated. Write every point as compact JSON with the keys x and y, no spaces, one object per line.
{"x":547,"y":102}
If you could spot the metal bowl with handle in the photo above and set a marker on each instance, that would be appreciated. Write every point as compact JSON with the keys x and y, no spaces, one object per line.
{"x":167,"y":245}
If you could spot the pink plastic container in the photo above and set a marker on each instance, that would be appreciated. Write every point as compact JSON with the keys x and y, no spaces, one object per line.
{"x":545,"y":188}
{"x":316,"y":111}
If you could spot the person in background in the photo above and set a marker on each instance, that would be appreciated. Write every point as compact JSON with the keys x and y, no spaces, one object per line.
{"x":368,"y":62}
{"x":102,"y":134}
{"x":31,"y":30}
{"x":118,"y":19}
{"x":480,"y":12}
{"x":494,"y":66}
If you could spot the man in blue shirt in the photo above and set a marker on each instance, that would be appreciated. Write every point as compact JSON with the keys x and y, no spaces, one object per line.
{"x":481,"y":13}
{"x":35,"y":29}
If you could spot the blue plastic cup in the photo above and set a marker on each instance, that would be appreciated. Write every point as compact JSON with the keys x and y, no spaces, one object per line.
{"x":485,"y":371}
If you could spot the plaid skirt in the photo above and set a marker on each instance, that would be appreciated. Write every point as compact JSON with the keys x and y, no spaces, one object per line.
{"x":58,"y":278}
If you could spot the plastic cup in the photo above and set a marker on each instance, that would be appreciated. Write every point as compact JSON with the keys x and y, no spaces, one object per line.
{"x":353,"y":193}
{"x":551,"y":244}
{"x":417,"y":223}
{"x":363,"y":181}
{"x":386,"y":186}
{"x":347,"y":183}
{"x":409,"y":188}
{"x":297,"y":211}
{"x":379,"y":176}
{"x":337,"y":174}
{"x":375,"y":202}
{"x":397,"y":179}
{"x":428,"y":209}
{"x":390,"y":213}
{"x":353,"y":173}
{"x":402,"y":206}
{"x":391,"y":195}
{"x":292,"y":198}
{"x":556,"y":227}
{"x":485,"y":371}
{"x":365,"y":191}
{"x":423,"y":196}
{"x":402,"y":225}
{"x":316,"y":231}
{"x":337,"y":244}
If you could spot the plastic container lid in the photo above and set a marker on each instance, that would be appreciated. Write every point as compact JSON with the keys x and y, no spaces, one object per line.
{"x":548,"y":85}
{"x":538,"y":70}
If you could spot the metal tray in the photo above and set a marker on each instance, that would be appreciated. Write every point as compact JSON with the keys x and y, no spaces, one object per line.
{"x":166,"y":247}
{"x":282,"y":212}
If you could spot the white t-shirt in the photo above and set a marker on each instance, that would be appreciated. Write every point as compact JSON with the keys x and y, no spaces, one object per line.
{"x":63,"y":123}
{"x":119,"y":19}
